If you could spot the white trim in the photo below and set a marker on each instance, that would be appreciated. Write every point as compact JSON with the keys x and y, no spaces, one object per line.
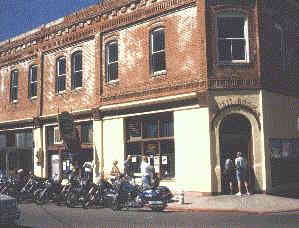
{"x":16,"y":129}
{"x":76,"y":121}
{"x":18,"y":120}
{"x":57,"y":141}
{"x":153,"y":112}
{"x":148,"y":102}
{"x":246,"y":37}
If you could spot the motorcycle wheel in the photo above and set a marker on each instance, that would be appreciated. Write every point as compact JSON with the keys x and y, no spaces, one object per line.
{"x":72,"y":199}
{"x":40,"y":199}
{"x":158,"y":207}
{"x":116,"y":205}
{"x":88,"y":201}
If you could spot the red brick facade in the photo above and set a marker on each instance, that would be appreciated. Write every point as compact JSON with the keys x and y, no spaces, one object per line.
{"x":190,"y":49}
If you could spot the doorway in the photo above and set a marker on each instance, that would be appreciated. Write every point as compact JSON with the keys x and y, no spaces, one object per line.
{"x":235,"y":135}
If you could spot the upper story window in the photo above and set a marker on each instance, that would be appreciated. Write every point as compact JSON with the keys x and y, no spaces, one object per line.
{"x":232,"y":38}
{"x":87,"y":133}
{"x":32,"y":82}
{"x":53,"y":135}
{"x":111,"y":61}
{"x":14,"y":81}
{"x":77,"y":70}
{"x":279,"y":50}
{"x":157,"y":55}
{"x":60,"y":74}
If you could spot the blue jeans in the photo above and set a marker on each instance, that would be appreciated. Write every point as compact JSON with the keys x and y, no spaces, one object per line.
{"x":146,"y":181}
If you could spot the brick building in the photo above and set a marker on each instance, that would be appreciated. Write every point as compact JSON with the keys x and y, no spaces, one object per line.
{"x":187,"y":82}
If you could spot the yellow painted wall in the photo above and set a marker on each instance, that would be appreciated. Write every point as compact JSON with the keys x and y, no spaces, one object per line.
{"x":113,"y":143}
{"x":192,"y":150}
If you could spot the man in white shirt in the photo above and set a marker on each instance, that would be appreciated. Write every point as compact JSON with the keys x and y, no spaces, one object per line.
{"x":241,"y":172}
{"x":146,"y":171}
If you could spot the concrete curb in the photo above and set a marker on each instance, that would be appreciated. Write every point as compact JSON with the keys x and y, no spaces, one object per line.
{"x":171,"y":208}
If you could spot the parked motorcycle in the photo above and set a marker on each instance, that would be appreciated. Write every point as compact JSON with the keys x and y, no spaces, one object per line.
{"x":51,"y":191}
{"x":128,"y":195}
{"x":96,"y":194}
{"x":32,"y":186}
{"x":77,"y":193}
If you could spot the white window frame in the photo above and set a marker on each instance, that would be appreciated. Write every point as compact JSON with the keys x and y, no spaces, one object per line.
{"x":31,"y":81}
{"x":57,"y":140}
{"x":246,"y":37}
{"x":108,"y":63}
{"x":60,"y":75}
{"x":155,"y":73}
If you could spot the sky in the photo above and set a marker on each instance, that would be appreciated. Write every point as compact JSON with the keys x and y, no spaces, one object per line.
{"x":19,"y":16}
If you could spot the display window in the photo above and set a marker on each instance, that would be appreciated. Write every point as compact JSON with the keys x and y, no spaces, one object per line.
{"x":152,"y":135}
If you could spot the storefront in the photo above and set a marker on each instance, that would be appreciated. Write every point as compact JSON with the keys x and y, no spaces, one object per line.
{"x":60,"y":159}
{"x":16,"y":151}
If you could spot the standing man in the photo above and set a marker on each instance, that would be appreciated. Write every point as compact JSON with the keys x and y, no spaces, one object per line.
{"x":241,"y":172}
{"x":147,"y":172}
{"x":229,"y":174}
{"x":128,"y":167}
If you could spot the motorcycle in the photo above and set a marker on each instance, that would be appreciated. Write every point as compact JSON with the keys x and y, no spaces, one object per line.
{"x":31,"y":188}
{"x":77,"y":193}
{"x":96,"y":194}
{"x":51,"y":191}
{"x":127,"y":195}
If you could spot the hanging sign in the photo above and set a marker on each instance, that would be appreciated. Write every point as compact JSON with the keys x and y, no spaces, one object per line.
{"x":68,"y":132}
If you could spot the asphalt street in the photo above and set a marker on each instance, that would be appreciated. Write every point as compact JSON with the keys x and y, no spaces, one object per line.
{"x":50,"y":215}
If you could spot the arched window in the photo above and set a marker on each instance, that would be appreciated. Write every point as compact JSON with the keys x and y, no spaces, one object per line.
{"x":157,"y":51}
{"x":111,"y":51}
{"x":14,"y":81}
{"x":32,"y":82}
{"x":232,"y":38}
{"x":60,"y":74}
{"x":77,"y":70}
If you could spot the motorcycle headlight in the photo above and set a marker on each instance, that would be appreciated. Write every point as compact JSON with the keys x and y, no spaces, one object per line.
{"x":13,"y":204}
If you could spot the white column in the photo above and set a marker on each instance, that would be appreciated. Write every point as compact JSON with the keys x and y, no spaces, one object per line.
{"x":38,"y":146}
{"x":97,"y":148}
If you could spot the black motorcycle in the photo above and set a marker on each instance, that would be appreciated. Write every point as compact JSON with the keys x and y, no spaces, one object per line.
{"x":128,"y":195}
{"x":10,"y":187}
{"x":78,"y":192}
{"x":51,"y":191}
{"x":96,"y":194}
{"x":31,"y":188}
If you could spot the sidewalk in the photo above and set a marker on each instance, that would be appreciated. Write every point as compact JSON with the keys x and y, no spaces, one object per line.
{"x":256,"y":203}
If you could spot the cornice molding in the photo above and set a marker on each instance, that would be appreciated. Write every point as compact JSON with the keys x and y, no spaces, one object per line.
{"x":85,"y":23}
{"x":148,"y":91}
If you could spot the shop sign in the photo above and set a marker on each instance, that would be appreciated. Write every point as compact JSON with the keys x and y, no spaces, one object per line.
{"x":225,"y":106}
{"x":66,"y":127}
{"x":68,"y":131}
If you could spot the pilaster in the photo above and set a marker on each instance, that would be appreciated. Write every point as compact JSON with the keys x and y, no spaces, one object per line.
{"x":98,"y":157}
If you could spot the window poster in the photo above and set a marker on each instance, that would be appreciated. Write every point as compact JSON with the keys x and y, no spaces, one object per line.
{"x":134,"y":159}
{"x":164,"y":160}
{"x":64,"y":166}
{"x":55,"y":162}
{"x":284,"y":148}
{"x":275,"y":147}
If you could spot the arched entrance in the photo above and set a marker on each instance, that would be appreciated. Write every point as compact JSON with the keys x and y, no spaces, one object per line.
{"x":234,"y":135}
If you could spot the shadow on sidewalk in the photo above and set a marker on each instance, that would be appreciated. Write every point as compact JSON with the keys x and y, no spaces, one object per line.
{"x":293,"y":195}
